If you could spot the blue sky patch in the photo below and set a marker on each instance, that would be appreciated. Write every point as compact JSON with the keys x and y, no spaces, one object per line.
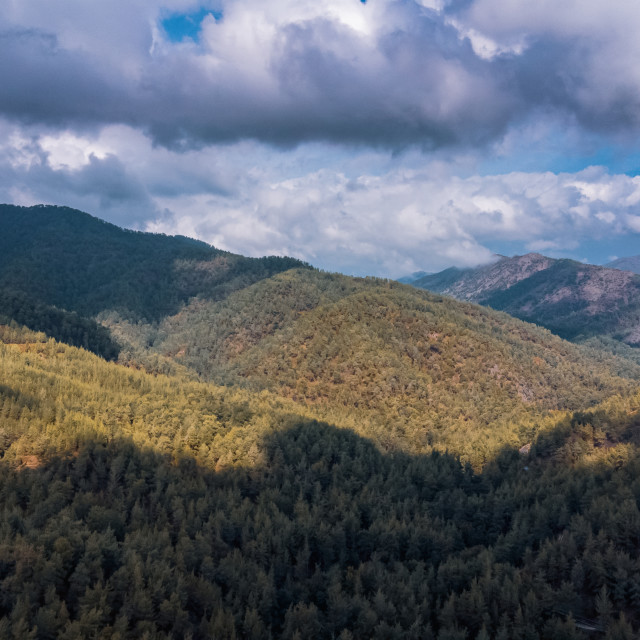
{"x":180,"y":26}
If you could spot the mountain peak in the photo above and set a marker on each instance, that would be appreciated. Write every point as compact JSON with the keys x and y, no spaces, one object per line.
{"x":570,"y":298}
{"x":472,"y":284}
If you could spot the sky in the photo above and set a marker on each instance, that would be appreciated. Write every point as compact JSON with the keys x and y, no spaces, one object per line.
{"x":372,"y":138}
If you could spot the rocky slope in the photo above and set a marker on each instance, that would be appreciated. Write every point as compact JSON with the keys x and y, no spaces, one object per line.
{"x":572,"y":299}
{"x":475,"y":284}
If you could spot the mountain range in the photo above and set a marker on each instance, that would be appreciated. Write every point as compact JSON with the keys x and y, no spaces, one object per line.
{"x":258,"y":449}
{"x":574,"y":300}
{"x":631,"y":263}
{"x":415,"y":369}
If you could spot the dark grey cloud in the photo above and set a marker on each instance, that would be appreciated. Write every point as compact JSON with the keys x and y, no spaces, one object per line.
{"x":576,"y":57}
{"x":109,"y":179}
{"x":390,"y":75}
{"x":44,"y":83}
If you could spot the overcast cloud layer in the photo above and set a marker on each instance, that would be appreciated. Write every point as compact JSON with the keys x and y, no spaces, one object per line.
{"x":375,"y":137}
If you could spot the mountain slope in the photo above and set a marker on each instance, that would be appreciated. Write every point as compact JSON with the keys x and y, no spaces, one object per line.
{"x":572,"y":299}
{"x":63,"y":257}
{"x":419,"y":369}
{"x":474,"y":284}
{"x":415,"y":371}
{"x":139,"y":506}
{"x":416,"y":275}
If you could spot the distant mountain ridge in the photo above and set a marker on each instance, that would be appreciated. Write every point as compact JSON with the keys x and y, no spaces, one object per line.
{"x":572,"y":299}
{"x":416,"y":275}
{"x":632,"y":263}
{"x":473,"y":284}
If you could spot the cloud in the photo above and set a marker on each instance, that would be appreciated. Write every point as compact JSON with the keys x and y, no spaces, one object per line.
{"x":67,"y":170}
{"x":386,"y":74}
{"x":379,"y":137}
{"x":406,"y":220}
{"x":577,"y":56}
{"x":376,"y":213}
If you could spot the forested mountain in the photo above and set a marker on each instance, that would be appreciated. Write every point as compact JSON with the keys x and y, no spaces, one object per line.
{"x":60,"y":268}
{"x":407,"y":368}
{"x":142,"y":506}
{"x":414,"y":367}
{"x":574,"y":300}
{"x":63,"y":257}
{"x":381,"y":462}
{"x":626,"y":264}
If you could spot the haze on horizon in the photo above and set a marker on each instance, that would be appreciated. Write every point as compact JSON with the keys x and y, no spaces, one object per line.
{"x":378,"y":137}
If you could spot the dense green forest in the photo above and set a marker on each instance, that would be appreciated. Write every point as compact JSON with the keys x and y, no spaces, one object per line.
{"x":66,"y":258}
{"x":417,"y":368}
{"x":62,"y":325}
{"x":278,"y":452}
{"x":136,"y":506}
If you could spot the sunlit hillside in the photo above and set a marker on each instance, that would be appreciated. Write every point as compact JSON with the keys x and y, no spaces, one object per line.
{"x":419,"y":370}
{"x":286,"y":453}
{"x":144,"y":506}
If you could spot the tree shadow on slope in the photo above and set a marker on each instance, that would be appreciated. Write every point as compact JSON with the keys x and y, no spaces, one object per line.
{"x":323,"y":537}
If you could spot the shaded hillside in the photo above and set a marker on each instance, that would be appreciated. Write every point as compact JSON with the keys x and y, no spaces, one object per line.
{"x":631,"y":263}
{"x":420,"y":370}
{"x":574,"y":300}
{"x":62,"y":325}
{"x":63,"y":257}
{"x":136,"y":506}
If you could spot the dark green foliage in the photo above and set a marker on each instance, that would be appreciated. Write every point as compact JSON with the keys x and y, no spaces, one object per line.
{"x":69,"y":259}
{"x":62,"y":325}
